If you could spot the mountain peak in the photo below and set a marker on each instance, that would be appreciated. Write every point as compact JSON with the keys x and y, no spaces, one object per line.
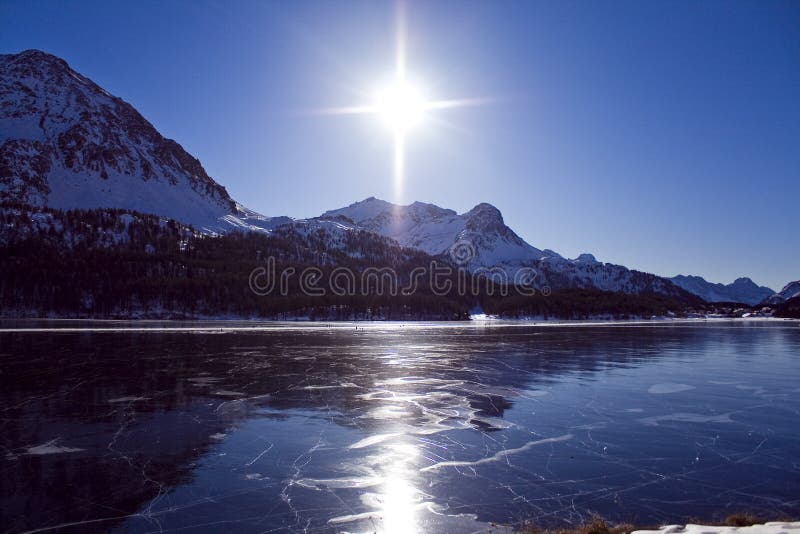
{"x":792,"y":285}
{"x":586,"y":258}
{"x":33,"y":55}
{"x":485,"y":209}
{"x":434,"y":229}
{"x":485,"y":218}
{"x":43,"y":66}
{"x":371,"y":201}
{"x":789,"y":291}
{"x":67,"y":143}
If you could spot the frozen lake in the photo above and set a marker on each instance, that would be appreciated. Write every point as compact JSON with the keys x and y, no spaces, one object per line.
{"x":209,"y":427}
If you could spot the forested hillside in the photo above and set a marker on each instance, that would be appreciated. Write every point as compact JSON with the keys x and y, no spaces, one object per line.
{"x":117,"y":263}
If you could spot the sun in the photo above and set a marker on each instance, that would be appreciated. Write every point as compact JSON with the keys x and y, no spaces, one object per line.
{"x":400,"y":105}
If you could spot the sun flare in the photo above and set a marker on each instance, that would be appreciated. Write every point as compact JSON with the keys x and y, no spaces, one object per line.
{"x":401,"y":106}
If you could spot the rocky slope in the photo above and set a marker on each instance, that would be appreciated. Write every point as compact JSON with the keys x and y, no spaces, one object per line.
{"x":789,"y":291}
{"x":65,"y":142}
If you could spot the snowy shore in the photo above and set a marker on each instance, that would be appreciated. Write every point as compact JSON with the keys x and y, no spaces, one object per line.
{"x":775,"y":527}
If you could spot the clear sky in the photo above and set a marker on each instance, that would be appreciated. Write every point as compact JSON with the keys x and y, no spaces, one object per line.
{"x":664,"y":136}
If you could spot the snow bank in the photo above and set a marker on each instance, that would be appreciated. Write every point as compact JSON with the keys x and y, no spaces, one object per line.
{"x":776,"y":527}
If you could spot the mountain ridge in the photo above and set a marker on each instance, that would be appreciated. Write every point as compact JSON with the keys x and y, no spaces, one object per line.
{"x":65,"y":142}
{"x":435,"y":230}
{"x":742,"y":290}
{"x":479,"y":240}
{"x":788,"y":292}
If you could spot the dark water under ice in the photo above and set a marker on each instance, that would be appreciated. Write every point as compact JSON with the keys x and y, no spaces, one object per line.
{"x":390,"y":428}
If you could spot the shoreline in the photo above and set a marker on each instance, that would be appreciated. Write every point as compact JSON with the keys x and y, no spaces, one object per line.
{"x":741,"y":523}
{"x":255,"y":325}
{"x":770,"y":527}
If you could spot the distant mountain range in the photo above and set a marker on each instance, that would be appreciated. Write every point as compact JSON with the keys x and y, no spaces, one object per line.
{"x":741,"y":290}
{"x":480,"y":240}
{"x":67,"y":143}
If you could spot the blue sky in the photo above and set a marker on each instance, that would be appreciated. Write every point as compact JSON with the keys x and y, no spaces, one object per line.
{"x":664,"y":136}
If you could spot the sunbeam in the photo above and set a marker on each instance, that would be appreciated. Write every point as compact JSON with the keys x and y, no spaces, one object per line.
{"x":401,"y":103}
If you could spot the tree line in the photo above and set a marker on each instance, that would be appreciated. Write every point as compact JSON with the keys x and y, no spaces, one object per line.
{"x":120,"y":263}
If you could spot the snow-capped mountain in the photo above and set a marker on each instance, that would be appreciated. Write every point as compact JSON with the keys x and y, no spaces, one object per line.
{"x":586,"y":272}
{"x":789,"y":291}
{"x":479,"y":239}
{"x":67,"y":143}
{"x":741,"y":290}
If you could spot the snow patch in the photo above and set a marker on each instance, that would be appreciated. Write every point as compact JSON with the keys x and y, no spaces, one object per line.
{"x":51,"y":447}
{"x":668,"y":387}
{"x":777,"y":527}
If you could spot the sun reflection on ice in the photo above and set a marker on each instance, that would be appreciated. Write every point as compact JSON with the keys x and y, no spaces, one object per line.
{"x":399,"y":506}
{"x":400,"y":500}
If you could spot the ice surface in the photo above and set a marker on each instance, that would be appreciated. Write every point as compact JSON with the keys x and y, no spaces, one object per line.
{"x":451,"y":427}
